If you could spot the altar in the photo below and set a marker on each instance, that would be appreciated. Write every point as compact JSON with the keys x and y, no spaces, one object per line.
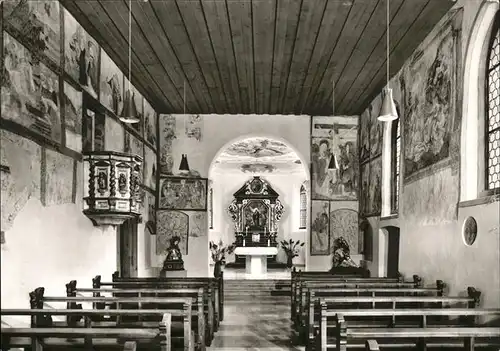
{"x":256,"y":260}
{"x":256,"y":212}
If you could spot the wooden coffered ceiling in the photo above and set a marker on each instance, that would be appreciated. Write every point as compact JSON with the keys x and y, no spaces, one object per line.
{"x":259,"y":56}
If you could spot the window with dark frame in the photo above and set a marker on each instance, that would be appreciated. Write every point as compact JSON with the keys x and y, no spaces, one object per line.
{"x":492,"y":124}
{"x":303,"y":208}
{"x":396,"y":157}
{"x":211,"y":207}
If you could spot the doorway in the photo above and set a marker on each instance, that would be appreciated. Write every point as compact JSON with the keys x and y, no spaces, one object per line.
{"x":392,"y":251}
{"x":127,"y":248}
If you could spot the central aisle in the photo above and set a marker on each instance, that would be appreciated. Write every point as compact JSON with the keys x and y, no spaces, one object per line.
{"x":256,"y":317}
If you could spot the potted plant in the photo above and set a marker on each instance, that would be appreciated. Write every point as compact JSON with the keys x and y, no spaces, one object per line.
{"x":291,"y":249}
{"x":219,"y":252}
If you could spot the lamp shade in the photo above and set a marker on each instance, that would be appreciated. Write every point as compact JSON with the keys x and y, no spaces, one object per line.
{"x":184,"y":166}
{"x":388,"y":111}
{"x":129,"y":111}
{"x":334,"y":163}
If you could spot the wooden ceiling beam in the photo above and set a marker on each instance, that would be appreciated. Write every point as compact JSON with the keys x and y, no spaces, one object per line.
{"x":94,"y":24}
{"x":167,"y":71}
{"x":241,"y":32}
{"x":263,"y":25}
{"x":399,"y":26}
{"x":287,"y":19}
{"x":420,"y":28}
{"x":357,"y":19}
{"x":307,"y":37}
{"x":334,"y":20}
{"x":289,"y":60}
{"x":372,"y":37}
{"x":175,"y":32}
{"x":216,"y":21}
{"x":195,"y":26}
{"x":117,"y":12}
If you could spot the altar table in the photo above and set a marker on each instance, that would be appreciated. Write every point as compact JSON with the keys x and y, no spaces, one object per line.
{"x":256,"y":259}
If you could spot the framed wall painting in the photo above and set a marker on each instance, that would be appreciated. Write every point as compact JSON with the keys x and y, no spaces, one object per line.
{"x":334,"y":135}
{"x":111,"y":85}
{"x":182,"y":193}
{"x":73,"y":114}
{"x":198,"y":223}
{"x":150,"y":202}
{"x":30,"y":92}
{"x":81,"y":54}
{"x":364,"y":136}
{"x":36,"y":19}
{"x":375,"y":127}
{"x":150,"y":117}
{"x":149,"y":167}
{"x":344,"y":222}
{"x":374,"y":204}
{"x":169,"y":224}
{"x":364,"y":197}
{"x":430,"y":88}
{"x":320,"y":228}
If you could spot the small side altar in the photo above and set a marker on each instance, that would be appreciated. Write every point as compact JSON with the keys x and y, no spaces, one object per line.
{"x":256,"y":259}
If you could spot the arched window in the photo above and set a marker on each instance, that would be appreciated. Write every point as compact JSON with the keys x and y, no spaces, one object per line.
{"x":303,"y":208}
{"x":396,"y":156}
{"x":211,"y":207}
{"x":493,"y":111}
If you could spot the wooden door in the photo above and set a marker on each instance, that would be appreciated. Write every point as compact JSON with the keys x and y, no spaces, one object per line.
{"x":393,"y":252}
{"x":127,"y":248}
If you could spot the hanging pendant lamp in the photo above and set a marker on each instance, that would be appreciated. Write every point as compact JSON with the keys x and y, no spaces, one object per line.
{"x":129,"y":111}
{"x":333,"y":165}
{"x":388,"y":111}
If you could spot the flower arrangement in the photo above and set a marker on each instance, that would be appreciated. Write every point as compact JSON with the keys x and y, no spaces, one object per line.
{"x":291,"y":249}
{"x":219,"y":251}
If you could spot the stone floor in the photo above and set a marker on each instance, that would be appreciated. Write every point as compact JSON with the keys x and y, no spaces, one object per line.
{"x":254,"y":319}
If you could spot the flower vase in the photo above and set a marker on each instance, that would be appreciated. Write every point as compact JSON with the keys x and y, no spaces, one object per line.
{"x":217,"y":269}
{"x":289,"y":262}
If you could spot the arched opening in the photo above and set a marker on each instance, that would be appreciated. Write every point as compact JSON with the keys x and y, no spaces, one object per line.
{"x":282,"y":169}
{"x":472,"y":164}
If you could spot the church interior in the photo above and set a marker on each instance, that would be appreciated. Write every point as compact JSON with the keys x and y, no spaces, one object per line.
{"x":250,"y":174}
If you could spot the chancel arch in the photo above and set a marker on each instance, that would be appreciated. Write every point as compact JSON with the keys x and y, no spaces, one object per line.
{"x":259,"y":176}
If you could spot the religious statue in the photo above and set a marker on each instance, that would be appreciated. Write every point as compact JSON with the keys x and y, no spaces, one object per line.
{"x":256,"y":217}
{"x":342,"y":254}
{"x":173,"y":261}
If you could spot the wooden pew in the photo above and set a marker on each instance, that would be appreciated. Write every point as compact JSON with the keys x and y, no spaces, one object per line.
{"x":466,"y":337}
{"x":391,"y":302}
{"x":210,"y":285}
{"x":299,"y":284}
{"x":216,"y":283}
{"x":313,"y":294}
{"x":371,"y":345}
{"x":180,"y":308}
{"x":355,"y":283}
{"x":170,"y":283}
{"x":198,"y":314}
{"x":37,"y":336}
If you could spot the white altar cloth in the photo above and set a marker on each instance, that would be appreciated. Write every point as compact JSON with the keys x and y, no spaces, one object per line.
{"x":256,"y":260}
